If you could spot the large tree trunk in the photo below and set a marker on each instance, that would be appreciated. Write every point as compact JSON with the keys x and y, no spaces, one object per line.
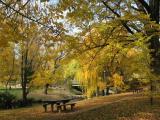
{"x":25,"y":90}
{"x":23,"y":80}
{"x":24,"y":76}
{"x":154,"y":42}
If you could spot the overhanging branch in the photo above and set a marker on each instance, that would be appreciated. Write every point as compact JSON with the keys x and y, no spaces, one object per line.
{"x":124,"y":23}
{"x":145,"y":5}
{"x":28,"y":17}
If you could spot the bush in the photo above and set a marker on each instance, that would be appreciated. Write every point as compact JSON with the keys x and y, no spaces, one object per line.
{"x":6,"y":100}
{"x":20,"y":102}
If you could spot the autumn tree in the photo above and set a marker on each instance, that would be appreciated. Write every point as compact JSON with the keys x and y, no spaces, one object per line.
{"x":50,"y":70}
{"x":9,"y":66}
{"x":134,"y":17}
{"x":30,"y":25}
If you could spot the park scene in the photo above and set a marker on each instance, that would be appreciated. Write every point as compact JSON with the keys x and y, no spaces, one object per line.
{"x":79,"y":59}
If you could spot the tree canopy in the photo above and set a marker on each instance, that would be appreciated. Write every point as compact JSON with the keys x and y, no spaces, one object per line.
{"x":99,"y":43}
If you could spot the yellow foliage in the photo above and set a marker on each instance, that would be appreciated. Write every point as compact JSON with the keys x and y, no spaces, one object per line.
{"x":132,"y":52}
{"x":90,"y":91}
{"x":89,"y":79}
{"x":41,"y":78}
{"x":117,"y":80}
{"x":101,"y":85}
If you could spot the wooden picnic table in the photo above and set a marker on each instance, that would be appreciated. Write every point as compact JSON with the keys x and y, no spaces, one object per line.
{"x":59,"y":103}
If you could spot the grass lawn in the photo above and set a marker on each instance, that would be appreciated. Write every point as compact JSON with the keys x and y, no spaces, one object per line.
{"x":17,"y":92}
{"x":114,"y":107}
{"x":38,"y":94}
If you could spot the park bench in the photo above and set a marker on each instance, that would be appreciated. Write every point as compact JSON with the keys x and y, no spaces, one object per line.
{"x":55,"y":102}
{"x":61,"y":107}
{"x":137,"y":90}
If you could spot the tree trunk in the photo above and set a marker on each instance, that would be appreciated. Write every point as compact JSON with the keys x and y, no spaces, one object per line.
{"x":24,"y":77}
{"x":24,"y":93}
{"x":46,"y":89}
{"x":103,"y":93}
{"x":6,"y":86}
{"x":154,"y":42}
{"x":24,"y":96}
{"x":151,"y":89}
{"x":107,"y":91}
{"x":97,"y":92}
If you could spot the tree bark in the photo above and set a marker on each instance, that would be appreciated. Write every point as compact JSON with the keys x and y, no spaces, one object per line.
{"x":97,"y":92}
{"x":154,"y":42}
{"x":107,"y":91}
{"x":46,"y":89}
{"x":24,"y":77}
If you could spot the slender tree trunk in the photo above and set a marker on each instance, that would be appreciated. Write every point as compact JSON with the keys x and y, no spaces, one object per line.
{"x":97,"y":92}
{"x":107,"y":91}
{"x":46,"y":89}
{"x":22,"y":79}
{"x":11,"y":72}
{"x":151,"y":89}
{"x":6,"y":86}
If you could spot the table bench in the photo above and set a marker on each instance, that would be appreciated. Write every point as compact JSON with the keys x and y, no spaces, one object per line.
{"x":46,"y":104}
{"x":63,"y":106}
{"x":63,"y":102}
{"x":137,"y":90}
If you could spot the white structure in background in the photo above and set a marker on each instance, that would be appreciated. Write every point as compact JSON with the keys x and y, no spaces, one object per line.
{"x":75,"y":83}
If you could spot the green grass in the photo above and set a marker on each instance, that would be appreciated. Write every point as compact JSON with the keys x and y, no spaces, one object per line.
{"x":115,"y":107}
{"x":38,"y":94}
{"x":17,"y":92}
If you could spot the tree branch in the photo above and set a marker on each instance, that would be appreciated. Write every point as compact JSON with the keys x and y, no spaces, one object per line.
{"x":145,"y":5}
{"x":28,"y":17}
{"x":124,"y":23}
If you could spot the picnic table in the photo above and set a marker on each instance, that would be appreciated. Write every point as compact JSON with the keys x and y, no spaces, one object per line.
{"x":59,"y":104}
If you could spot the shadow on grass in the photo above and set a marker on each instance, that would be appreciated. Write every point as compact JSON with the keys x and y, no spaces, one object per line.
{"x":136,"y":109}
{"x":131,"y":109}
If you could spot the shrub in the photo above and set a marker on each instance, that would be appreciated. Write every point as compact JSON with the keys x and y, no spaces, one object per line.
{"x":20,"y":102}
{"x":6,"y":100}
